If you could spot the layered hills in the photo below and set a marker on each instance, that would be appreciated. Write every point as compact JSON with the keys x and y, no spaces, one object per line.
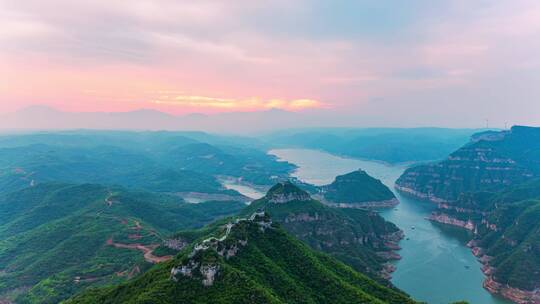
{"x":248,"y":260}
{"x":358,"y":237}
{"x":174,"y":162}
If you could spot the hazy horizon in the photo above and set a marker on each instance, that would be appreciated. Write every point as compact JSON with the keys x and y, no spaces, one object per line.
{"x":45,"y":118}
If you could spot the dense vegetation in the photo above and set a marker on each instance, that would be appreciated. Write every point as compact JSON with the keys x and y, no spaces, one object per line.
{"x":356,"y":188}
{"x":268,"y":266}
{"x":385,"y":144}
{"x":358,"y":237}
{"x":160,"y":161}
{"x":54,"y":237}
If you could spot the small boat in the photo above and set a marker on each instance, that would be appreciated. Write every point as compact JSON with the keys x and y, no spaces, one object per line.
{"x":467,"y":267}
{"x":413,"y":227}
{"x":407,"y":239}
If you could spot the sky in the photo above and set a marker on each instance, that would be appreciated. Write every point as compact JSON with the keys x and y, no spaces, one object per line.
{"x":377,"y":63}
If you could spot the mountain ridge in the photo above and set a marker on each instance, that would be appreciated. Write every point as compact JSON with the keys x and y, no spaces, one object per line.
{"x":253,"y":261}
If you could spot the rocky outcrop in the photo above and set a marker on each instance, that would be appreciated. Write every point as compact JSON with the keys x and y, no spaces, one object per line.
{"x":206,"y":270}
{"x":286,"y":192}
{"x":446,"y":219}
{"x":360,"y":205}
{"x":208,"y":273}
{"x":515,"y":295}
{"x":288,"y":197}
{"x":407,"y":188}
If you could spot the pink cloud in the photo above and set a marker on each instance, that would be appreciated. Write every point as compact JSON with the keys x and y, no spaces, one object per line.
{"x":102,"y":55}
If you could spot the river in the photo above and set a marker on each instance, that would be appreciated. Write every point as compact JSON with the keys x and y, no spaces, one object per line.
{"x":436,"y":265}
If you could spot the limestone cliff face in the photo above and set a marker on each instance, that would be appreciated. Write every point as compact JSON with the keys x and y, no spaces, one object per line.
{"x":281,"y":198}
{"x":490,"y":161}
{"x":286,"y":192}
{"x":358,"y":236}
{"x":203,"y":261}
{"x":445,"y":219}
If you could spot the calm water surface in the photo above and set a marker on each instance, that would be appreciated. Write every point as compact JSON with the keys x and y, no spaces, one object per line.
{"x":436,"y":266}
{"x":243,"y":189}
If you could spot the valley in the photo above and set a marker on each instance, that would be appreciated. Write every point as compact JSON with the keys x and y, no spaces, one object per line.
{"x":163,"y":192}
{"x":433,"y":256}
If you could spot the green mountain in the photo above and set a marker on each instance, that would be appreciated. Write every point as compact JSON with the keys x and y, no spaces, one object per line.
{"x":250,"y":260}
{"x":358,"y":237}
{"x":357,"y":190}
{"x":490,"y":161}
{"x":57,"y":239}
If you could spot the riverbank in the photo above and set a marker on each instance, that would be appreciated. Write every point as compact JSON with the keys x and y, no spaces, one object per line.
{"x":436,"y":266}
{"x":489,"y":283}
{"x":360,"y":205}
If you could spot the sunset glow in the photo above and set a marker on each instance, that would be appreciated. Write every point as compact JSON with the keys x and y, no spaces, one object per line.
{"x":382,"y":61}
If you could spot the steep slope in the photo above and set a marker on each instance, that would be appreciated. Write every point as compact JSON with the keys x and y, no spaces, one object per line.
{"x":360,"y":238}
{"x":490,"y":161}
{"x":57,"y":239}
{"x":357,"y":190}
{"x":491,"y":187}
{"x":506,"y":227}
{"x":251,"y":260}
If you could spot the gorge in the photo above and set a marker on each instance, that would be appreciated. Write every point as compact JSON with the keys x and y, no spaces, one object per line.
{"x":434,"y":256}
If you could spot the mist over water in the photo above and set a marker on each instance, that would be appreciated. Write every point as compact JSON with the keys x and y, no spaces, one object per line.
{"x":436,"y":265}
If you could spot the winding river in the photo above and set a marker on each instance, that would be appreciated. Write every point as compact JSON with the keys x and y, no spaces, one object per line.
{"x":436,"y":266}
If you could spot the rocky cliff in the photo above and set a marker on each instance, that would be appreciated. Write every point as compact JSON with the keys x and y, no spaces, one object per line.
{"x":491,"y":187}
{"x":359,"y":237}
{"x":490,"y":161}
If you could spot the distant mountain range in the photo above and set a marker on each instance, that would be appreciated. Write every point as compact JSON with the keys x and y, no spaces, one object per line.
{"x":43,"y":117}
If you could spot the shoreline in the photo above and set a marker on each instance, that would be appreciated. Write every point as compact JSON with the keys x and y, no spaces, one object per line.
{"x":516,"y":295}
{"x":390,"y":203}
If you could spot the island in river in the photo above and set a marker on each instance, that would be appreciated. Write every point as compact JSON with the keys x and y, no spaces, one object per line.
{"x":436,"y":265}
